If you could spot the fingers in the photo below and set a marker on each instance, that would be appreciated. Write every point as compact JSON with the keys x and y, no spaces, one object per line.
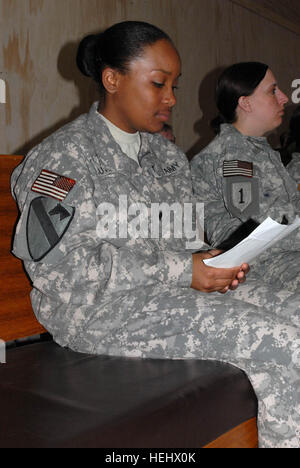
{"x":227,"y":274}
{"x":209,"y":279}
{"x":241,"y":277}
{"x":245,"y":268}
{"x":224,"y":291}
{"x":218,"y":281}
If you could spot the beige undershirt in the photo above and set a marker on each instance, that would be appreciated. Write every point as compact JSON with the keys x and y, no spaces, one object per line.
{"x":129,"y":142}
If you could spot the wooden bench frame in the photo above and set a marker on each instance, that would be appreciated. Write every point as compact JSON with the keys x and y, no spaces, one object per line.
{"x":16,"y":316}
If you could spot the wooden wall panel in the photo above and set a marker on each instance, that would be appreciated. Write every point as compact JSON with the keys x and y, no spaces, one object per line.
{"x":44,"y":89}
{"x":229,"y":33}
{"x":286,"y":13}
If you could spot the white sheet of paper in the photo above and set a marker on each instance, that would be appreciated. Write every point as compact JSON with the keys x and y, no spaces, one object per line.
{"x":262,"y":238}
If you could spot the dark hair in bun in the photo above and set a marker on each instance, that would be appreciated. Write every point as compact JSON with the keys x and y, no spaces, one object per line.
{"x":240,"y":79}
{"x":116,"y":47}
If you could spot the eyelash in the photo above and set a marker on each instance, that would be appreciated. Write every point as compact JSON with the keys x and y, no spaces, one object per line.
{"x":161,"y":85}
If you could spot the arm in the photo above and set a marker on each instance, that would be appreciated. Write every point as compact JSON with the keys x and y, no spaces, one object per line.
{"x":219,"y":224}
{"x":81,"y":268}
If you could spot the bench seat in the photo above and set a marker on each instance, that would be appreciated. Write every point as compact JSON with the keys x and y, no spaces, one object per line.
{"x":54,"y":397}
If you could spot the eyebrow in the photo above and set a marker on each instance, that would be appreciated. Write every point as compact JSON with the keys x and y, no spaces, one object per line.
{"x":165,"y":71}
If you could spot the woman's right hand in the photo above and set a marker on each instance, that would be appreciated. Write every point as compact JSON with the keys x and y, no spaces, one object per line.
{"x":209,"y":279}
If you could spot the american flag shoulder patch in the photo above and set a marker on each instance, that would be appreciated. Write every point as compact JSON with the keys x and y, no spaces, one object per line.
{"x":237,"y":168}
{"x":53,"y":185}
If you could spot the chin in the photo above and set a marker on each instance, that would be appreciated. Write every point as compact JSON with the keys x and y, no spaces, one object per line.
{"x":274,"y":126}
{"x":160,"y":126}
{"x":154,"y":129}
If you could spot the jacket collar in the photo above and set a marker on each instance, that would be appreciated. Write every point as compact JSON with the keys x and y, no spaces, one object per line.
{"x":228,"y":130}
{"x":110,"y":155}
{"x":107,"y":149}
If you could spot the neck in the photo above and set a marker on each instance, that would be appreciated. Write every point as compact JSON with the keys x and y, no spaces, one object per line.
{"x":112,"y":113}
{"x":245,"y":129}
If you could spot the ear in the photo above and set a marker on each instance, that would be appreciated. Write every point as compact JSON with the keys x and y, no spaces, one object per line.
{"x":245,"y":104}
{"x":110,"y":80}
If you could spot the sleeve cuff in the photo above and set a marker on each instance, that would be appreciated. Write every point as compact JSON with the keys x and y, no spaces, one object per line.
{"x":178,"y":268}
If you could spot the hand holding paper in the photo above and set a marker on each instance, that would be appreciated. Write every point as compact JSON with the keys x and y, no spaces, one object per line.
{"x":261,"y":239}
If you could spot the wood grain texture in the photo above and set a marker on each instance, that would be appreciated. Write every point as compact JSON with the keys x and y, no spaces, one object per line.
{"x":16,"y":316}
{"x":286,"y":14}
{"x":45,"y":90}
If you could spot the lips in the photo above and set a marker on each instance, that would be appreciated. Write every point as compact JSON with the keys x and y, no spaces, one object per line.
{"x":163,"y":115}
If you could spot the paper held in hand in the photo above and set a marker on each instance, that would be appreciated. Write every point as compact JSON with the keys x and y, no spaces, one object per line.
{"x":262,"y":238}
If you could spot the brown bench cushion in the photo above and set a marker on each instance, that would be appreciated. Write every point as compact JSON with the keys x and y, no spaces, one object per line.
{"x":53,"y":397}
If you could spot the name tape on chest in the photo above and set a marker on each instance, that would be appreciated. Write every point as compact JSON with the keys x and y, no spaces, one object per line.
{"x":160,"y":171}
{"x":237,"y":168}
{"x":53,"y":185}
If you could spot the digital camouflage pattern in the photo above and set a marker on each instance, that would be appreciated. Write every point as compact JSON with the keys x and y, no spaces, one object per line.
{"x":293,"y":167}
{"x":126,"y":296}
{"x":275,"y":194}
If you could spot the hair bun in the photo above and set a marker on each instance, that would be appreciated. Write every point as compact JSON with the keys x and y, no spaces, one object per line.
{"x":86,"y":56}
{"x":216,"y":123}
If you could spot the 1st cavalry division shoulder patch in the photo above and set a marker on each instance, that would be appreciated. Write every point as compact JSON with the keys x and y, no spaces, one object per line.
{"x":47,"y":222}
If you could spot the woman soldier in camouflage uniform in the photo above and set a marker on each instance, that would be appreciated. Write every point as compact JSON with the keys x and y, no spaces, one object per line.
{"x":241,"y":179}
{"x":98,"y":287}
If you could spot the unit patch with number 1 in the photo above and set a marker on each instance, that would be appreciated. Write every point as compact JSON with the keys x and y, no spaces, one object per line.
{"x":242,"y":189}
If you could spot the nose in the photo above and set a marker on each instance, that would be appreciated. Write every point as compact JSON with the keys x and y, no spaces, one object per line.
{"x":282,"y":98}
{"x":169,"y":97}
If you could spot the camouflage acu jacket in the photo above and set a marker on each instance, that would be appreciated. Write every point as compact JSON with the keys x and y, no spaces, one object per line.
{"x":293,"y":167}
{"x":242,"y":179}
{"x":69,"y":183}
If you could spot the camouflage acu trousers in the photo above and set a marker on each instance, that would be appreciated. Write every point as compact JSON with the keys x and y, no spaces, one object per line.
{"x":251,"y":328}
{"x":279,"y":269}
